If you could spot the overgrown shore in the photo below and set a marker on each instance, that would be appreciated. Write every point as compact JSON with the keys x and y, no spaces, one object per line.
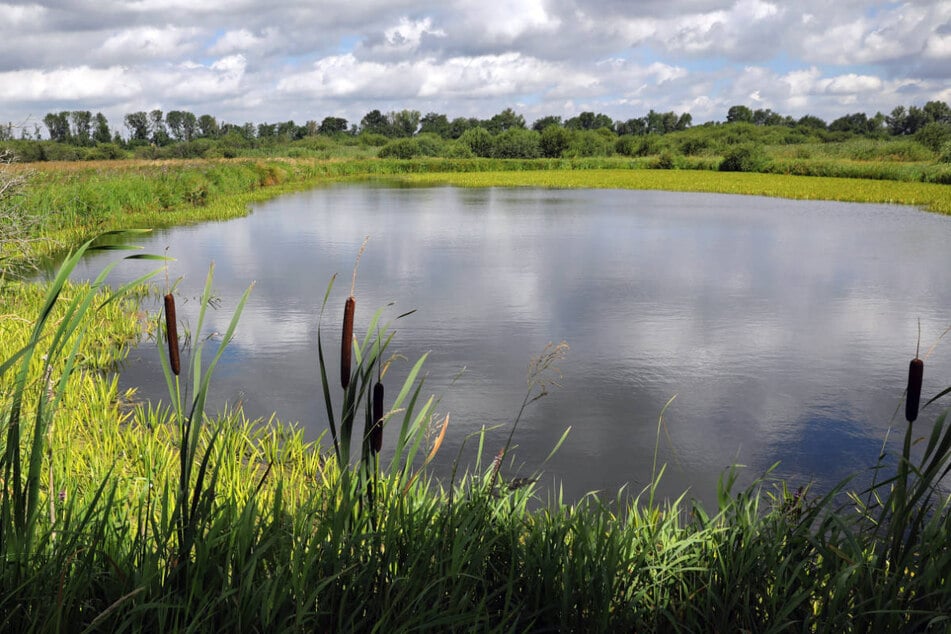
{"x":166,"y":517}
{"x":74,"y":201}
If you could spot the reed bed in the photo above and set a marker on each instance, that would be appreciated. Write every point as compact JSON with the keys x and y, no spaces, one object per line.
{"x":75,"y":201}
{"x":166,"y":517}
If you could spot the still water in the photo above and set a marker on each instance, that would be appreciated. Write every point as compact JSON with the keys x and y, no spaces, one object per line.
{"x":783,"y":328}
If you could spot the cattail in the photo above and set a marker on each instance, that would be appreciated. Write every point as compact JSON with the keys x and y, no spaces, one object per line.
{"x":171,"y":333}
{"x":376,"y":432}
{"x":916,"y":370}
{"x":346,"y":343}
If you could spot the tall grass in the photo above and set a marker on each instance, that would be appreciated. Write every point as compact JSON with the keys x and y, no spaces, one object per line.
{"x":166,"y":517}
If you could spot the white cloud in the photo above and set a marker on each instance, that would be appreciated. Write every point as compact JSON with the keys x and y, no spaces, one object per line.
{"x":148,"y":42}
{"x":405,"y":37}
{"x":18,"y":16}
{"x":254,"y":62}
{"x":850,"y":84}
{"x":508,"y":20}
{"x":68,"y":83}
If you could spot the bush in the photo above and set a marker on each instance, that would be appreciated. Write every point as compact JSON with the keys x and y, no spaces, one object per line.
{"x":479,"y":141}
{"x":668,"y":160}
{"x":589,"y":143}
{"x":747,"y":157}
{"x":455,"y":149}
{"x":373,"y":140}
{"x":22,"y":151}
{"x":105,"y":152}
{"x":400,"y":149}
{"x":945,"y":156}
{"x":518,"y":143}
{"x":554,"y":141}
{"x":934,"y":136}
{"x":430,"y":144}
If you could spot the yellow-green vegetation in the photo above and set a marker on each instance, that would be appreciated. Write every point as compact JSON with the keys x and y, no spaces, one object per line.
{"x":124,"y":516}
{"x":929,"y":196}
{"x":170,"y":518}
{"x":73,"y":201}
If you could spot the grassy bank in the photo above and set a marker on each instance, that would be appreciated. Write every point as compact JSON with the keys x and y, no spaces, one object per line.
{"x":164,"y":517}
{"x":73,"y":201}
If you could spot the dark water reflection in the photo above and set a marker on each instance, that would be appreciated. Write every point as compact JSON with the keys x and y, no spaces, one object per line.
{"x":783,"y":327}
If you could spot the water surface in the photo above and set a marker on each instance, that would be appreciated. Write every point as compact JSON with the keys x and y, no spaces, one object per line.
{"x":783,"y":328}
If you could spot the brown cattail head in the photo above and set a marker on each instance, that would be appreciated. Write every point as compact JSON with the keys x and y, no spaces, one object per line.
{"x":376,"y":432}
{"x":916,"y":371}
{"x":171,"y":333}
{"x":346,"y":342}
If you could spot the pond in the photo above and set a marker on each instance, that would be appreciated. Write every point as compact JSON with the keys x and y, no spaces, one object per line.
{"x":782,"y":328}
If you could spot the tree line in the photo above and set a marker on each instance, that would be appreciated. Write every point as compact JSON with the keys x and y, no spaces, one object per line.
{"x":82,"y":128}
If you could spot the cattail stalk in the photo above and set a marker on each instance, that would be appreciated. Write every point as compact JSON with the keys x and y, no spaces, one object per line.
{"x":346,"y":342}
{"x":171,"y":334}
{"x":916,"y":371}
{"x":376,"y":432}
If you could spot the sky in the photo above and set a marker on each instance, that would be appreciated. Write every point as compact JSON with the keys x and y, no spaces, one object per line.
{"x":251,"y":61}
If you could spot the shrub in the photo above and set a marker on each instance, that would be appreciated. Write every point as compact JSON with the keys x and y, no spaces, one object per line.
{"x":589,"y":143}
{"x":480,"y":141}
{"x":430,"y":144}
{"x":373,"y":140}
{"x":945,"y":156}
{"x":934,"y":135}
{"x":747,"y":157}
{"x":455,"y":149}
{"x":400,"y":149}
{"x":667,"y":160}
{"x":518,"y":143}
{"x":554,"y":141}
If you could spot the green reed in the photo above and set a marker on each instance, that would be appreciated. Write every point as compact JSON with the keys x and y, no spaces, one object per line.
{"x":166,"y":517}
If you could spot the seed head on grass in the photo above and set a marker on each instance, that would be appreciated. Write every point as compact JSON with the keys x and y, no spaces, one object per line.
{"x":916,"y":370}
{"x":346,"y":338}
{"x":376,"y":432}
{"x":171,"y":333}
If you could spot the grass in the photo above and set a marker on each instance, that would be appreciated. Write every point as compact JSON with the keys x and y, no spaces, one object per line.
{"x":164,"y":517}
{"x":932,"y":197}
{"x":75,"y":201}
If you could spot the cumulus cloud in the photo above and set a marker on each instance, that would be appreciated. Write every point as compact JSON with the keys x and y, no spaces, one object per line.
{"x":253,"y":62}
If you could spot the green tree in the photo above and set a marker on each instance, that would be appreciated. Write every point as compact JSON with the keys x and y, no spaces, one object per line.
{"x":554,"y":141}
{"x":459,"y":125}
{"x":100,"y":131}
{"x":684,"y":121}
{"x":546,"y":122}
{"x":81,"y":126}
{"x":182,"y":125}
{"x":740,"y":114}
{"x":517,"y":143}
{"x":589,"y":121}
{"x":479,"y":141}
{"x":374,"y":122}
{"x":157,"y":130}
{"x":207,"y":127}
{"x":636,"y":126}
{"x":434,"y":123}
{"x":934,"y":135}
{"x":404,"y":123}
{"x":333,"y":125}
{"x":57,"y":123}
{"x":938,"y":111}
{"x":765,"y":116}
{"x":138,"y":126}
{"x":811,"y":121}
{"x":897,"y":121}
{"x":508,"y":119}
